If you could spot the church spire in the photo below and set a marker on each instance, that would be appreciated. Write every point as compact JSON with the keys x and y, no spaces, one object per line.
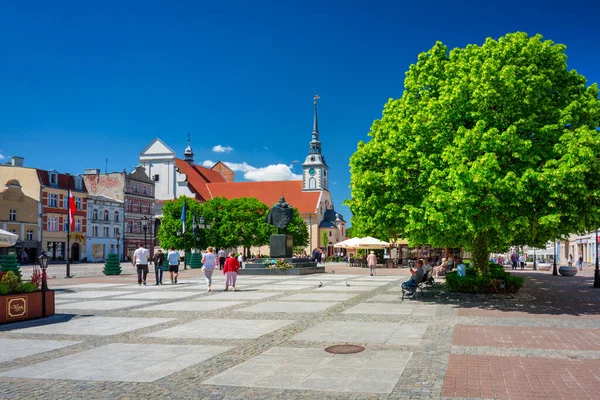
{"x":189,"y":153}
{"x":315,"y":121}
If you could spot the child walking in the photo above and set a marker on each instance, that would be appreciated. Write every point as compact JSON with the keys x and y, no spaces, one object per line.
{"x":231,"y":267}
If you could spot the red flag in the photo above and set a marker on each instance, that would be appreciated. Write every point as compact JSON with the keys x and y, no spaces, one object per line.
{"x":72,"y":209}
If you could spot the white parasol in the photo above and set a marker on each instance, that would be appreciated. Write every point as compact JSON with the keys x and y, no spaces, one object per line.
{"x":7,"y":239}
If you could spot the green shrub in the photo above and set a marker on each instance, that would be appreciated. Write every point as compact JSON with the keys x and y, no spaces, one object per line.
{"x":514,"y":283}
{"x":470,"y":271}
{"x":497,"y":282}
{"x":3,"y":288}
{"x":26,"y":287}
{"x":11,"y":280}
{"x":498,"y":273}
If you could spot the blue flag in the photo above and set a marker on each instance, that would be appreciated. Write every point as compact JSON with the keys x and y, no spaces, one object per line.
{"x":183,"y":217}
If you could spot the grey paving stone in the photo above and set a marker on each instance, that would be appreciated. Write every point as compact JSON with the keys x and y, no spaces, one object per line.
{"x":120,"y":362}
{"x":279,"y":286}
{"x":88,"y":294}
{"x":238,"y":295}
{"x":315,"y":369}
{"x":222,"y":329}
{"x":17,"y":348}
{"x":360,"y":283}
{"x":97,"y":326}
{"x":288,"y":307}
{"x":101,"y":305}
{"x":191,"y":306}
{"x":393,"y":309}
{"x":159,"y":295}
{"x":321,"y":296}
{"x":386,"y":298}
{"x":90,"y":286}
{"x":360,"y":332}
{"x":344,"y":288}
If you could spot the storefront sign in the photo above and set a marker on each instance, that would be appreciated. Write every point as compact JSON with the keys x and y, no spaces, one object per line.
{"x":16,"y":307}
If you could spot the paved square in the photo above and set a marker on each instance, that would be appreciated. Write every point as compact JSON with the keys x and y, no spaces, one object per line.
{"x":222,"y":329}
{"x":288,"y":307}
{"x":331,"y":277}
{"x":360,"y":332}
{"x":96,"y":326}
{"x":89,"y":286}
{"x":119,"y":362}
{"x":17,"y":348}
{"x":393,"y":309}
{"x":344,"y":288}
{"x":315,"y":369}
{"x":88,"y":294}
{"x":160,"y":295}
{"x":386,"y":298}
{"x":197,"y":306}
{"x":360,"y":283}
{"x":279,"y":286}
{"x":239,"y":295}
{"x":100,"y":305}
{"x":315,"y":296}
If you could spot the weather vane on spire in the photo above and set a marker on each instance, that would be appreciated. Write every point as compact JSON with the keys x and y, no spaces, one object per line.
{"x":188,"y":138}
{"x":316,"y":98}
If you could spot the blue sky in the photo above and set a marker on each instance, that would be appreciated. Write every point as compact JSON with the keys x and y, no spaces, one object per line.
{"x":84,"y":81}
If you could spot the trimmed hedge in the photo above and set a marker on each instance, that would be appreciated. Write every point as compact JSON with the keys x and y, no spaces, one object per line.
{"x":499,"y":281}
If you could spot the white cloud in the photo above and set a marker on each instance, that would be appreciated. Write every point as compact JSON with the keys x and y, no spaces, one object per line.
{"x":222,"y":149}
{"x":274,"y":172}
{"x":1,"y":157}
{"x":265,"y":147}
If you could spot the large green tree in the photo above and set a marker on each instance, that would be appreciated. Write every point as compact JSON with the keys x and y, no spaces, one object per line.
{"x":488,"y":146}
{"x":228,"y":223}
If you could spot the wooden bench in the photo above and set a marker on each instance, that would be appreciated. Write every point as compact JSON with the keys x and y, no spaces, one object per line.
{"x":426,"y":280}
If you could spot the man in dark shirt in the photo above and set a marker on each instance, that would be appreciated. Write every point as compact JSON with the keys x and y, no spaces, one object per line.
{"x":417,"y":274}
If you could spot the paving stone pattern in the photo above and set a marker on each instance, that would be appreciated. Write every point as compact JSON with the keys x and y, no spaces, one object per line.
{"x":178,"y":341}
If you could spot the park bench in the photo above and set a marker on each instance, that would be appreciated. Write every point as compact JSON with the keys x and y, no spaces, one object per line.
{"x":426,"y":280}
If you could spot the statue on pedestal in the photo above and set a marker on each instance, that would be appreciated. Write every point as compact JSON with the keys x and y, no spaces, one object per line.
{"x":280,"y":215}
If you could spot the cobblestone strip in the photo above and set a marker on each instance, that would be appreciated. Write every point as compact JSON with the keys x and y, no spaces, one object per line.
{"x":521,"y":352}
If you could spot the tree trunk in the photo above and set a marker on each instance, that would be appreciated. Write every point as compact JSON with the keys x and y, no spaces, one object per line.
{"x":481,"y":254}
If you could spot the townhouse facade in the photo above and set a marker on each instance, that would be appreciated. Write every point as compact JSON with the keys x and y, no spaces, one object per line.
{"x":105,"y":227}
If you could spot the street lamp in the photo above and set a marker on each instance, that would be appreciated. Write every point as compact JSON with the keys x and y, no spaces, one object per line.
{"x":199,"y":226}
{"x":43,"y":261}
{"x":145,"y":227}
{"x":554,"y":271}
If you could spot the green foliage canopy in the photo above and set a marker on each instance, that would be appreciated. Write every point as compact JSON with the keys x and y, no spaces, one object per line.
{"x":488,"y":146}
{"x":233,"y":223}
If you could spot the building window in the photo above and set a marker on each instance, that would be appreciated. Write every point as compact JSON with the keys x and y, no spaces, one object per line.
{"x":145,"y":189}
{"x":116,"y":231}
{"x":116,"y":216}
{"x":78,"y":182}
{"x":156,"y":178}
{"x":106,"y":234}
{"x":14,"y":231}
{"x":30,"y":235}
{"x":95,"y":214}
{"x":78,"y":203}
{"x":329,"y":233}
{"x":130,"y":226}
{"x":66,"y":202}
{"x":106,"y":215}
{"x":94,"y":230}
{"x":129,"y":205}
{"x":53,"y":178}
{"x":12,"y":215}
{"x":65,"y":226}
{"x":136,"y":188}
{"x":52,"y":200}
{"x":52,"y":224}
{"x":78,"y":225}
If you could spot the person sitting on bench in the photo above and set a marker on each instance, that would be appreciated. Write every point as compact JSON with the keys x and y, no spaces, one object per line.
{"x":417,"y":274}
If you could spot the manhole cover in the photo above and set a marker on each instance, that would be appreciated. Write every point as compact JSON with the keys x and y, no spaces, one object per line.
{"x":344,"y":349}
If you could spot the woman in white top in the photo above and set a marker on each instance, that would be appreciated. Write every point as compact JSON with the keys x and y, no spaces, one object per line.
{"x":208,"y":262}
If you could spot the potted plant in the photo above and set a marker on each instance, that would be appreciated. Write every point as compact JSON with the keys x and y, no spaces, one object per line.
{"x":20,"y":300}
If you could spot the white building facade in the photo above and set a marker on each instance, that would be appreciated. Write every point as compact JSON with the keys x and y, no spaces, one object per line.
{"x":105,"y":217}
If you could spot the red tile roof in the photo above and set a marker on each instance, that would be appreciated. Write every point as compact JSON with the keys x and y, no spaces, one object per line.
{"x":269,"y":193}
{"x":63,"y":181}
{"x":198,"y":177}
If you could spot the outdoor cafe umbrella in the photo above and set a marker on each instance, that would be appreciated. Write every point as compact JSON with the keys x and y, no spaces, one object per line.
{"x":371,"y":243}
{"x":347,"y":244}
{"x":7,"y":239}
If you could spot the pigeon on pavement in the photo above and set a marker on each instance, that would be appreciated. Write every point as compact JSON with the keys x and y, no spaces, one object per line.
{"x":320,"y":284}
{"x":347,"y":284}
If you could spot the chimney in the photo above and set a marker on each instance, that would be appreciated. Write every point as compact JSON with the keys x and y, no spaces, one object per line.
{"x":92,"y":171}
{"x":17,"y":161}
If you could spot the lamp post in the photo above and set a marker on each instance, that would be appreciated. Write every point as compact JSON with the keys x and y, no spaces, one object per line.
{"x":597,"y":271}
{"x":200,"y":226}
{"x":554,"y":271}
{"x":43,"y":261}
{"x":145,"y":227}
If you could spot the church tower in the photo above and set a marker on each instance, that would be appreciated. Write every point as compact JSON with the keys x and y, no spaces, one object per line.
{"x":315,"y":172}
{"x":188,"y":154}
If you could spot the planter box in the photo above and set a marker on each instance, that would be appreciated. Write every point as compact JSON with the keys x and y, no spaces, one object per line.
{"x":567,"y":271}
{"x":25,"y":306}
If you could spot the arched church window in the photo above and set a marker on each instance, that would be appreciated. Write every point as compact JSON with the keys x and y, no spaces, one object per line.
{"x":312,"y":183}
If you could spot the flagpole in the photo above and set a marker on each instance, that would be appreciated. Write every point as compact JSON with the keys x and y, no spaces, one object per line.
{"x":68,"y":227}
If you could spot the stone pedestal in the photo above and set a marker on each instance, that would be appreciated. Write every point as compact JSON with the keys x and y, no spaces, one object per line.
{"x":281,"y":246}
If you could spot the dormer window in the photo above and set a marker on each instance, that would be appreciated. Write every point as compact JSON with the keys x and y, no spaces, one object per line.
{"x":53,"y":178}
{"x":78,"y":184}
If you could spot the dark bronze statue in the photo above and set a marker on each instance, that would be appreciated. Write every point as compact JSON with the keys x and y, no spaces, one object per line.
{"x":280,"y":215}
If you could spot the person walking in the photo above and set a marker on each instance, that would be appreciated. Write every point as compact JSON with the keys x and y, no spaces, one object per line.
{"x":173,"y":258}
{"x":580,"y":262}
{"x":208,"y":262}
{"x":140,"y":261}
{"x":241,"y":259}
{"x":514,"y":259}
{"x":230,"y":269}
{"x":522,"y":261}
{"x":159,"y":260}
{"x":372,"y":262}
{"x":222,"y":257}
{"x":570,"y":261}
